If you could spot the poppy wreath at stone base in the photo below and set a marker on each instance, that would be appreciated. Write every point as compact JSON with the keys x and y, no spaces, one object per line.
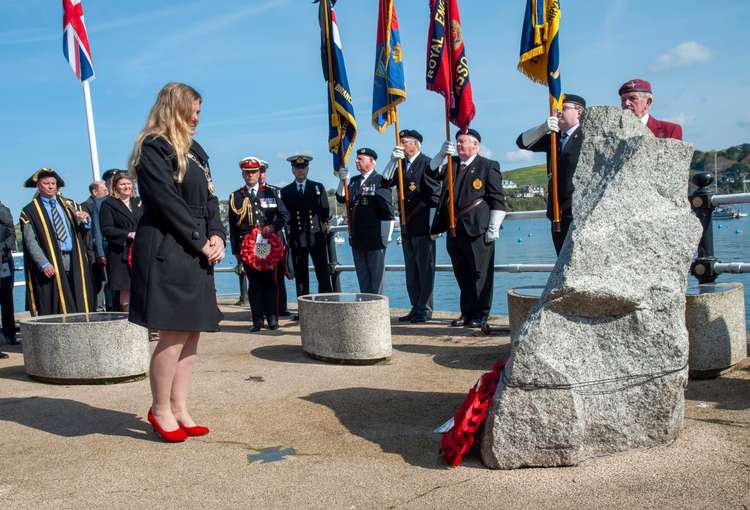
{"x":262,"y":257}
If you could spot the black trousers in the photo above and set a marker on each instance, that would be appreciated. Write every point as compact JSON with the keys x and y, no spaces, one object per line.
{"x":319,"y":256}
{"x":419,"y":259}
{"x":558,"y":238}
{"x":263,"y":293}
{"x":473,"y":260}
{"x":8,"y":309}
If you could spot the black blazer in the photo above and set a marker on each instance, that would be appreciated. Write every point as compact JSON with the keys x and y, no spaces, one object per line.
{"x":480,"y":182}
{"x":245,"y":213}
{"x":308,"y":213}
{"x":421,"y":194}
{"x":172,"y":284}
{"x":117,"y":221}
{"x":567,"y":160}
{"x":370,"y":203}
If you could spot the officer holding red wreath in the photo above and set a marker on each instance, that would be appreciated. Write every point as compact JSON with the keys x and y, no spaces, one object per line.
{"x":256,"y":215}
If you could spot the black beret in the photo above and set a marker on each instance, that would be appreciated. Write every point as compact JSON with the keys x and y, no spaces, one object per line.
{"x":470,"y":132}
{"x":411,"y":133}
{"x":367,"y":152}
{"x":40,"y":174}
{"x":573,"y":98}
{"x":110,"y":174}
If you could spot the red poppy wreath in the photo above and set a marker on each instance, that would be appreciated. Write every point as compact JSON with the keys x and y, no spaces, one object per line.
{"x":262,"y":256}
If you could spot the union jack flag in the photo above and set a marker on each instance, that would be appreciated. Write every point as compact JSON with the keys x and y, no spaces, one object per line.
{"x":75,"y":40}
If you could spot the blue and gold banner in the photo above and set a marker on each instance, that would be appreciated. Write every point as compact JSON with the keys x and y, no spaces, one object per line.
{"x":389,"y":88}
{"x":342,"y":124}
{"x":540,"y":51}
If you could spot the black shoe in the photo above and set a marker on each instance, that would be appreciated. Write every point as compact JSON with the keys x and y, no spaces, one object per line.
{"x":12,"y":340}
{"x":256,"y":327}
{"x":418,"y":317}
{"x":272,"y":324}
{"x":461,"y":321}
{"x":407,"y":317}
{"x":475,"y":323}
{"x":3,"y":355}
{"x":285,"y":313}
{"x":295,"y":317}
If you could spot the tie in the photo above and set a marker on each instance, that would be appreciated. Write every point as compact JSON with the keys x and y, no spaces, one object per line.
{"x":301,"y":188}
{"x":563,"y":139}
{"x":57,"y":221}
{"x":407,"y":164}
{"x":252,"y":193}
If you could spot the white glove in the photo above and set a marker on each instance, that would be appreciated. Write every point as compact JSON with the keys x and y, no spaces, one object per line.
{"x":342,"y":174}
{"x":340,"y":190}
{"x":398,"y":152}
{"x":386,"y":231}
{"x":448,"y":149}
{"x":493,"y":229}
{"x":533,"y":135}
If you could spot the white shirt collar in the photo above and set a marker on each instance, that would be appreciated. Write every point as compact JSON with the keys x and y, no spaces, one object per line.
{"x":572,"y":130}
{"x":256,"y":188}
{"x":644,"y":119}
{"x":468,"y":161}
{"x":365,"y":176}
{"x":303,"y":183}
{"x":411,"y":160}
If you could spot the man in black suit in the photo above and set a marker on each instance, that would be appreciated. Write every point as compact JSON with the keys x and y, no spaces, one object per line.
{"x":372,"y":220}
{"x":256,"y":205}
{"x":421,"y":195}
{"x":307,"y":202}
{"x":97,"y":190}
{"x":537,"y":139}
{"x":479,"y":205}
{"x":7,"y":270}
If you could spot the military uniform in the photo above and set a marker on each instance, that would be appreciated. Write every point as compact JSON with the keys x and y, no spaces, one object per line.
{"x":257,"y":207}
{"x":307,"y":203}
{"x":370,"y":205}
{"x":477,"y":190}
{"x":421,"y":193}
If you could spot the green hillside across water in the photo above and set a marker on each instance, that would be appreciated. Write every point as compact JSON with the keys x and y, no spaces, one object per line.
{"x":530,"y":175}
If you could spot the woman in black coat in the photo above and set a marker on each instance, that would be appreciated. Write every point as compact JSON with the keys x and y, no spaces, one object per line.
{"x":179,"y":239}
{"x":118,"y":217}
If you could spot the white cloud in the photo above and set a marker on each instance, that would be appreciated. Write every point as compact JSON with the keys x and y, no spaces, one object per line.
{"x":485,"y":151}
{"x":682,"y":119}
{"x":519,"y":155}
{"x":683,"y":55}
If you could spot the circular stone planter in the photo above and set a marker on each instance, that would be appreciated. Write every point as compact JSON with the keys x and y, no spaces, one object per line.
{"x":346,"y":328}
{"x":84,"y":348}
{"x":715,"y":319}
{"x":520,"y":302}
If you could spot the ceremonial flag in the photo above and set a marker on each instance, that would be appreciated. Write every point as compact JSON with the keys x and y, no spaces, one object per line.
{"x":540,"y":52}
{"x":447,"y":66}
{"x":75,"y":41}
{"x":342,"y":124}
{"x":389,"y":88}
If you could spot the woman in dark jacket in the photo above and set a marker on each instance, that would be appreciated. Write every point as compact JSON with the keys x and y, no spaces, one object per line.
{"x":118,"y":217}
{"x":179,"y":239}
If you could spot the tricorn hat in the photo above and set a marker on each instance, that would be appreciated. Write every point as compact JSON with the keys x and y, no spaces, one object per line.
{"x":41,"y":173}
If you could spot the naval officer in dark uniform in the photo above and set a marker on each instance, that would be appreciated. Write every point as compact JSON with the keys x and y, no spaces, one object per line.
{"x":307,"y":203}
{"x":372,"y":220}
{"x":537,"y":139}
{"x":421,"y":196}
{"x":256,"y":205}
{"x":479,"y":205}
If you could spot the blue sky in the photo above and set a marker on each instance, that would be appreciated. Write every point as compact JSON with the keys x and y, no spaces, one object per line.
{"x":258,"y":68}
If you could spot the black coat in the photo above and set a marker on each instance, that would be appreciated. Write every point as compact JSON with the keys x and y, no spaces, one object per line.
{"x":370,"y":204}
{"x":480,"y":183}
{"x":421,"y":194}
{"x":246,"y":214}
{"x":308,"y":213}
{"x":567,"y":160}
{"x":117,"y":221}
{"x":172,"y":285}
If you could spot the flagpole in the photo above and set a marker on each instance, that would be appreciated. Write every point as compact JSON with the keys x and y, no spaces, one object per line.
{"x":92,"y":132}
{"x":449,"y":94}
{"x":401,"y":194}
{"x":554,"y":191}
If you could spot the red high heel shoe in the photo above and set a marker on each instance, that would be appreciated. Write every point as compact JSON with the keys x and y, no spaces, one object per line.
{"x":198,"y":430}
{"x":170,"y":436}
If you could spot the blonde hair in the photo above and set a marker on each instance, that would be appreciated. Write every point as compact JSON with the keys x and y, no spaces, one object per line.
{"x":170,"y":119}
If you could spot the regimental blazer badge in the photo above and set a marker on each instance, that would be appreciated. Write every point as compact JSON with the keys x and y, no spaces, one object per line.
{"x":477,"y":184}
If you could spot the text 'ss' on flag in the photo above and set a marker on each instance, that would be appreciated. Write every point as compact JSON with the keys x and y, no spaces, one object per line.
{"x":540,"y":50}
{"x":447,"y":66}
{"x":389,"y":88}
{"x":342,"y":129}
{"x":76,"y":41}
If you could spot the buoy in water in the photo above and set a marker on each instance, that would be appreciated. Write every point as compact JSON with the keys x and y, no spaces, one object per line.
{"x":519,"y":240}
{"x":737,"y":231}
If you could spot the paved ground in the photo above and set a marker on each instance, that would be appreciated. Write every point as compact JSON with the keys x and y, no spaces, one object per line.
{"x":347,"y":436}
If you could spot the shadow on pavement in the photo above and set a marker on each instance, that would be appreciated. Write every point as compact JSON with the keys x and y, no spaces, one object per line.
{"x":726,"y":392}
{"x":468,"y":357}
{"x":401,"y":422}
{"x":69,"y":418}
{"x":285,"y":354}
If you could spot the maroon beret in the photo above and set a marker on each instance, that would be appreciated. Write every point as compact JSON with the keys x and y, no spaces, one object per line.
{"x":635,"y":86}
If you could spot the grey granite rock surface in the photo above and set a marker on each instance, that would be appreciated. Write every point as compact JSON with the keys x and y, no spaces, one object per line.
{"x":601,"y":364}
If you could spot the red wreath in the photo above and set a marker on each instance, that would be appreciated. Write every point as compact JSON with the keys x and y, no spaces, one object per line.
{"x":263,"y":257}
{"x":470,"y":416}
